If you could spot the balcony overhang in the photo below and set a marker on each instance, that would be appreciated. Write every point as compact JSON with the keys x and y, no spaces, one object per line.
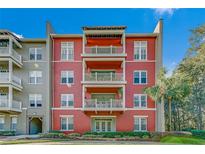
{"x":104,"y":64}
{"x":103,"y":112}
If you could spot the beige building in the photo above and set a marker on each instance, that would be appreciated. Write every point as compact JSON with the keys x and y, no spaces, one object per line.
{"x":24,"y":83}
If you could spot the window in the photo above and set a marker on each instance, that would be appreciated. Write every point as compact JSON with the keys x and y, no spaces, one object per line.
{"x":67,"y":123}
{"x":67,"y":49}
{"x":13,"y":123}
{"x":1,"y":123}
{"x":35,"y":100}
{"x":140,"y":50}
{"x":140,"y":77}
{"x":35,"y":54}
{"x":140,"y":123}
{"x":140,"y":100}
{"x":67,"y":76}
{"x":35,"y":77}
{"x":67,"y":100}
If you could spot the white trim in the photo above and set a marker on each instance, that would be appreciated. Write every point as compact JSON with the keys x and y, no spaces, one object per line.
{"x":65,"y":116}
{"x":140,"y":71}
{"x":60,"y":61}
{"x":141,"y":116}
{"x":67,"y":49}
{"x":140,"y":53}
{"x":140,"y":101}
{"x":13,"y":115}
{"x":82,"y":109}
{"x":140,"y":126}
{"x":103,"y":116}
{"x":35,"y":53}
{"x":141,"y":61}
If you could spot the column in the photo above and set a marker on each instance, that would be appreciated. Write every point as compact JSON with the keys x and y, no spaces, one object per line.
{"x":10,"y":70}
{"x":10,"y":96}
{"x":10,"y":45}
{"x":123,"y":94}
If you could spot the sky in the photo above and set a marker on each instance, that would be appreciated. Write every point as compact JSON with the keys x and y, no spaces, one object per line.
{"x":30,"y":23}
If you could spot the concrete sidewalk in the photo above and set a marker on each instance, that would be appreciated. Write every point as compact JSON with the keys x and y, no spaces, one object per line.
{"x":17,"y":137}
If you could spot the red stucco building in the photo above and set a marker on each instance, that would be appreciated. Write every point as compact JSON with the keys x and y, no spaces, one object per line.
{"x":98,"y":79}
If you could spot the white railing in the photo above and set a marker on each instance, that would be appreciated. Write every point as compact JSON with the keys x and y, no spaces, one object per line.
{"x":16,"y":56}
{"x":4,"y":51}
{"x":4,"y":77}
{"x":104,"y":50}
{"x":103,"y":104}
{"x":15,"y":105}
{"x":97,"y":76}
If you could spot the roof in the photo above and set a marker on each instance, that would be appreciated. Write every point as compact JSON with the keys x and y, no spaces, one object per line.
{"x":104,"y":27}
{"x":7,"y":32}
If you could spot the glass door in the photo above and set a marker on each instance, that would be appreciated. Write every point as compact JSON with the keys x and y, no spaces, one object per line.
{"x":103,"y":125}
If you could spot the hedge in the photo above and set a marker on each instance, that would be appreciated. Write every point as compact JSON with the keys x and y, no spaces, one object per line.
{"x":198,"y":133}
{"x":118,"y":134}
{"x":7,"y":133}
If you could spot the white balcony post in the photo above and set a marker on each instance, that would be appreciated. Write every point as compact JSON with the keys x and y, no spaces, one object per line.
{"x":123,"y":95}
{"x":83,"y":43}
{"x":10,"y":45}
{"x":123,"y":42}
{"x":111,"y":49}
{"x":111,"y":103}
{"x":96,"y":103}
{"x":123,"y":65}
{"x":10,"y":96}
{"x":96,"y":49}
{"x":111,"y":76}
{"x":83,"y":70}
{"x":10,"y":70}
{"x":83,"y":95}
{"x":96,"y":78}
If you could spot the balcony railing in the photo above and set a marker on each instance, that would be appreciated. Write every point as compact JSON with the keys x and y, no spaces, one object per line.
{"x":4,"y":51}
{"x":104,"y":50}
{"x":4,"y":78}
{"x":15,"y":105}
{"x":106,"y":77}
{"x":95,"y":104}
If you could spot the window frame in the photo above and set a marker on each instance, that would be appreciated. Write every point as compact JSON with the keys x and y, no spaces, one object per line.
{"x":35,"y":96}
{"x":12,"y":117}
{"x":140,"y":79}
{"x":67,"y":122}
{"x":140,"y":123}
{"x":35,"y":77}
{"x":140,"y":100}
{"x":36,"y":53}
{"x":67,"y":76}
{"x":67,"y":100}
{"x":140,"y":50}
{"x":67,"y":51}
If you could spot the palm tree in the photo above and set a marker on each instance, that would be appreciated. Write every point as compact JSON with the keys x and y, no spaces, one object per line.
{"x":158,"y":91}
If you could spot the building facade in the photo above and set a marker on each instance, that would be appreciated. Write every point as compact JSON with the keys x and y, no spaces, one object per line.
{"x":81,"y":82}
{"x":24,"y":99}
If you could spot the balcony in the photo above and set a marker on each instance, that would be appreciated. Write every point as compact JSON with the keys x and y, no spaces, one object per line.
{"x":4,"y":52}
{"x":5,"y":106}
{"x":4,"y":79}
{"x":104,"y":51}
{"x":102,"y":78}
{"x":103,"y":105}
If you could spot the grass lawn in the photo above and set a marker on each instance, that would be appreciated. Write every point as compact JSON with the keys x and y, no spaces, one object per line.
{"x":182,"y":140}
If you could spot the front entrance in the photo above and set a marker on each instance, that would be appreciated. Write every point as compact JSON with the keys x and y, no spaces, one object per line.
{"x":35,"y":125}
{"x":103,"y":125}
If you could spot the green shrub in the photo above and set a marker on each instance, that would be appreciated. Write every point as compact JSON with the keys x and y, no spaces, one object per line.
{"x":91,"y":136}
{"x":73,"y":135}
{"x":7,"y":133}
{"x":118,"y":134}
{"x":53,"y":135}
{"x":198,"y":133}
